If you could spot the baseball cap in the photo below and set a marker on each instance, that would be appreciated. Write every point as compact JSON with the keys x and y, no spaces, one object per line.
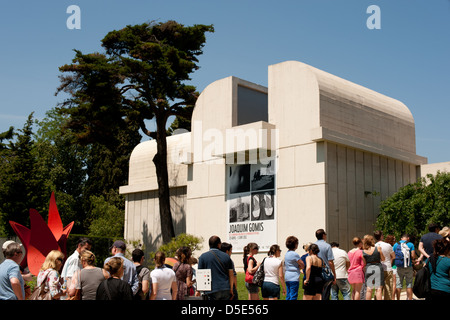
{"x":119,"y":244}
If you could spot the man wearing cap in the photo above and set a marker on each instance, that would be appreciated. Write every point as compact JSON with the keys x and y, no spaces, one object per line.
{"x":129,"y":269}
{"x":11,"y":281}
{"x":73,"y":263}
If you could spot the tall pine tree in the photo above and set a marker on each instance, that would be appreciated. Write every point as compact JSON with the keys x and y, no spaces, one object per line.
{"x":142,"y":76}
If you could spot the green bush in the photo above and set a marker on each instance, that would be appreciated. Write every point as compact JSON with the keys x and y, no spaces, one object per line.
{"x":182,"y":240}
{"x":415,"y":206}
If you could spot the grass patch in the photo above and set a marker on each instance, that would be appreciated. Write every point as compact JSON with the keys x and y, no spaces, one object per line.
{"x":243,"y":293}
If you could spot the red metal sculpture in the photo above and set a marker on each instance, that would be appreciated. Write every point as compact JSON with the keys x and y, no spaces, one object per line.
{"x":42,"y":238}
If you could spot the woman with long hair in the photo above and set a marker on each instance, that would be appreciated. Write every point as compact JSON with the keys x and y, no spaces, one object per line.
{"x":374,"y":274}
{"x":356,"y":269}
{"x":50,"y":274}
{"x":250,"y":267}
{"x":183,"y":271}
{"x":273,"y":275}
{"x":439,"y":264}
{"x":163,"y":280}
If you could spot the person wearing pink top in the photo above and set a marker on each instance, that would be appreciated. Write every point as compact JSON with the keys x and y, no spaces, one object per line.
{"x":356,"y":270}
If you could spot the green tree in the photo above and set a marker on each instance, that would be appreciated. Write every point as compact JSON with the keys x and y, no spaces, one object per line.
{"x":100,"y":121}
{"x":144,"y":72}
{"x":107,"y":219}
{"x":61,"y":166}
{"x":20,"y":187}
{"x":415,"y":206}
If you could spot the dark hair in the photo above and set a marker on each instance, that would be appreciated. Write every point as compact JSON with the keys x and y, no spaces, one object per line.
{"x":377,"y":234}
{"x":432,"y":227}
{"x":390,"y":239}
{"x":184,"y":254}
{"x":225,"y":246}
{"x":291,"y":242}
{"x":441,"y":247}
{"x":320,"y":233}
{"x":334,"y":244}
{"x":83,"y":241}
{"x":314,"y":248}
{"x":249,"y":247}
{"x":356,"y":241}
{"x":214,"y":242}
{"x":273,"y":249}
{"x":137,"y":255}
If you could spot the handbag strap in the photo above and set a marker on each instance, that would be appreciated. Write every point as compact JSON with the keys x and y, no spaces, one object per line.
{"x":262,"y":263}
{"x":225,"y":270}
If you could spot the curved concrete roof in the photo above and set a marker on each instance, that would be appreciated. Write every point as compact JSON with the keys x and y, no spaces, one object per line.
{"x":327,"y":107}
{"x":142,"y":171}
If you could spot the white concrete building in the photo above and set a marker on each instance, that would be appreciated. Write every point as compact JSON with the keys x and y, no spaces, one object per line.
{"x":310,"y":151}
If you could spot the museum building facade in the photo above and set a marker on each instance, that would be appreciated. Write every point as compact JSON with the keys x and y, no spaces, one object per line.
{"x":309,"y":151}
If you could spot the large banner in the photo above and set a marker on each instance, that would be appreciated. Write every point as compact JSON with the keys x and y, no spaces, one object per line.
{"x":251,"y":205}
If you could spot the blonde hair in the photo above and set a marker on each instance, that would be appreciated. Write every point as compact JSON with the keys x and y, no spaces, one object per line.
{"x":50,"y":260}
{"x":113,"y":265}
{"x":87,"y":256}
{"x":306,"y":246}
{"x":368,"y":241}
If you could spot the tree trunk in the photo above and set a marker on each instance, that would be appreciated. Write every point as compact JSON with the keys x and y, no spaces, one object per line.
{"x":160,"y":161}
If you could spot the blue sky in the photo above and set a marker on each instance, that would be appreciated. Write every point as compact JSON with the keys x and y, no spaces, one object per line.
{"x":407,"y":59}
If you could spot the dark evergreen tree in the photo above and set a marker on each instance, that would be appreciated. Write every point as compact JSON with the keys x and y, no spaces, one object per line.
{"x":141,"y":77}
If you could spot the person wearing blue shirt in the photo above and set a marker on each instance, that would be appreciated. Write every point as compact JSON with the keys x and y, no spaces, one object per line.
{"x":129,"y":269}
{"x":404,"y":266}
{"x":439,"y":264}
{"x":11,"y":281}
{"x":221,"y":266}
{"x":326,"y":254}
{"x":293,"y":264}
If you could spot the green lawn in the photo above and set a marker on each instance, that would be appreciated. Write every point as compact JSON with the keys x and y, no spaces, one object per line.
{"x":243,"y":293}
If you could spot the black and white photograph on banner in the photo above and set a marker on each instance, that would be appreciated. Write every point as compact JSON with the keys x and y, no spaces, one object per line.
{"x":239,"y":207}
{"x":263,"y":176}
{"x":238,"y":178}
{"x":263,"y":206}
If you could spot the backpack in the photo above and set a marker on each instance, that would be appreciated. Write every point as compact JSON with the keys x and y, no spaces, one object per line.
{"x":422,"y":282}
{"x":402,"y":255}
{"x":137,"y":296}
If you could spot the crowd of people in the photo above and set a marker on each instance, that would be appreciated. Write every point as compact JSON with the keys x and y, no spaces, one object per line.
{"x":376,"y":267}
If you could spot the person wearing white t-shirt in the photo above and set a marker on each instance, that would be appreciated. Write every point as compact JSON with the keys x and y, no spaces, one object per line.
{"x":389,"y":255}
{"x":273,"y":275}
{"x":341,"y":265}
{"x":163,"y":280}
